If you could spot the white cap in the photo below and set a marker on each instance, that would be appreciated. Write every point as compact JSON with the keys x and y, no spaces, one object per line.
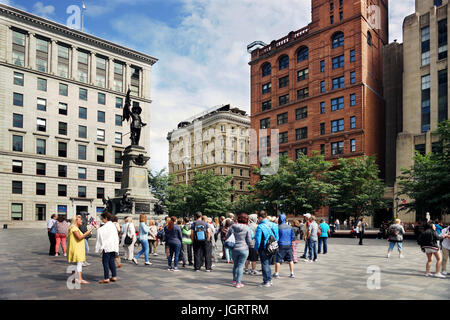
{"x":307,"y":215}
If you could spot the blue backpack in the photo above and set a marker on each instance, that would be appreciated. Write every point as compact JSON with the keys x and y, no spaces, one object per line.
{"x":199,"y":232}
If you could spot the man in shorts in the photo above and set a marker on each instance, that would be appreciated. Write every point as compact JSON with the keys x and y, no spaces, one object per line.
{"x":287,"y":236}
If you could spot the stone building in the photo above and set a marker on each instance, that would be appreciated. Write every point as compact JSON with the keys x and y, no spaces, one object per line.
{"x":216,"y":140}
{"x":61,"y":132}
{"x":425,"y":84}
{"x":321,"y":86}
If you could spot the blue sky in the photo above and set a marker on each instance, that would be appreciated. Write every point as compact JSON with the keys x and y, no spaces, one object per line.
{"x":200,"y":44}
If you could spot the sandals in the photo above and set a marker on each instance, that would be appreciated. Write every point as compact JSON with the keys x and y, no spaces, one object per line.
{"x":103,"y":281}
{"x":113,"y":279}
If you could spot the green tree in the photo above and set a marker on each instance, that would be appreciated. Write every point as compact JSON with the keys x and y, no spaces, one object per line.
{"x":159,"y":183}
{"x":358,"y":189}
{"x":246,"y":203}
{"x":176,"y":199}
{"x":427,"y":181}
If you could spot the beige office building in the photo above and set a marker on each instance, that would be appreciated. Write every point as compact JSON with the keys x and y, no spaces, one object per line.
{"x":61,"y":102}
{"x":425,"y":83}
{"x":216,"y":140}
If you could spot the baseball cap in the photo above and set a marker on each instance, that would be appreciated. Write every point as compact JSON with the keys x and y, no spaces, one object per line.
{"x":307,"y":215}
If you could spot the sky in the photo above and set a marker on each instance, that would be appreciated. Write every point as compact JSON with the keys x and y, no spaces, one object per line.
{"x":201,"y":46}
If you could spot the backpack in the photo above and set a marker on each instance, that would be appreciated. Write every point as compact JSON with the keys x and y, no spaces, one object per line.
{"x":272,"y":245}
{"x":230,"y":243}
{"x":393,"y":232}
{"x":199,"y":232}
{"x":161,"y":235}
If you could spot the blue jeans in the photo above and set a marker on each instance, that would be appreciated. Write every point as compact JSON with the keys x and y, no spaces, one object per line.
{"x":312,"y":249}
{"x":239,"y":258}
{"x":392,"y":245}
{"x":305,"y":251}
{"x":265,"y":265}
{"x":145,"y":249}
{"x":174,"y":248}
{"x":323,"y":240}
{"x":228,"y":254}
{"x":109,"y":264}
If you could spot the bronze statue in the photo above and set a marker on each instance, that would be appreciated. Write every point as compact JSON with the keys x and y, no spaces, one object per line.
{"x":136,"y":123}
{"x":125,"y":204}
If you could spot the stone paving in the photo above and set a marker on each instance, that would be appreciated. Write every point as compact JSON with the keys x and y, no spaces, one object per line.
{"x":27,"y":272}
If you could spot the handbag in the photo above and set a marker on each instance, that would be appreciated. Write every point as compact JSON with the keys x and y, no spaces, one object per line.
{"x":128,"y":239}
{"x":230,"y":243}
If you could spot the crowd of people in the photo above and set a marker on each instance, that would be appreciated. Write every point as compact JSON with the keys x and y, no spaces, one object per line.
{"x":246,"y":239}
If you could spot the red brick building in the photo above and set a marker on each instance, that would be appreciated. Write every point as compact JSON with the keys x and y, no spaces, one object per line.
{"x":321,"y":86}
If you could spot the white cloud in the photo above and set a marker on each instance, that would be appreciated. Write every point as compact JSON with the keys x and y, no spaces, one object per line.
{"x":42,"y":10}
{"x":398,"y":11}
{"x":204,"y":62}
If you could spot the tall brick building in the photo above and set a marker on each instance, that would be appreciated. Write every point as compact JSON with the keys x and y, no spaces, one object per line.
{"x":321,"y":86}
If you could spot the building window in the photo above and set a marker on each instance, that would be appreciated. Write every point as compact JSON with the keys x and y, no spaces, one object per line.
{"x":420,"y":148}
{"x":18,"y":99}
{"x":118,"y":120}
{"x":100,"y":155}
{"x":283,"y":63}
{"x":118,"y":76}
{"x":101,"y":72}
{"x":119,"y":103}
{"x":337,"y":104}
{"x":331,"y":19}
{"x":352,"y":122}
{"x":282,"y":137}
{"x":62,"y":128}
{"x":301,"y":133}
{"x":438,"y":3}
{"x":18,"y":143}
{"x":81,"y":152}
{"x":283,"y":100}
{"x":41,"y":55}
{"x":81,"y":192}
{"x":62,"y":190}
{"x":341,"y":15}
{"x":17,"y":166}
{"x":41,"y":125}
{"x":83,"y":68}
{"x":442,"y":95}
{"x":337,"y":40}
{"x":338,"y":62}
{"x":322,"y":86}
{"x":40,"y":146}
{"x":17,"y":187}
{"x":338,"y":83}
{"x":303,"y":74}
{"x":101,"y":116}
{"x":322,"y":149}
{"x":266,"y":69}
{"x":442,"y":39}
{"x":337,"y":125}
{"x":322,"y":66}
{"x":18,"y":48}
{"x":16,"y":211}
{"x":117,"y":176}
{"x":62,"y":149}
{"x":117,"y":157}
{"x":267,"y":105}
{"x":337,"y":148}
{"x":83,"y":94}
{"x":118,"y":138}
{"x":302,"y":54}
{"x":322,"y":128}
{"x":266,"y":88}
{"x":331,"y":6}
{"x":369,"y":38}
{"x":264,"y":123}
{"x":322,"y":107}
{"x":63,"y":89}
{"x":300,"y":152}
{"x":62,"y":171}
{"x":425,"y":39}
{"x":135,"y":80}
{"x":352,"y":77}
{"x":17,"y":120}
{"x":82,"y":132}
{"x":63,"y":61}
{"x":100,"y":135}
{"x":282,"y":118}
{"x":100,"y":175}
{"x":100,"y":193}
{"x":352,"y":100}
{"x":352,"y":145}
{"x":40,"y":169}
{"x":82,"y":173}
{"x":302,"y":93}
{"x":42,"y":84}
{"x":18,"y":79}
{"x":41,"y":212}
{"x":283,"y":82}
{"x":41,"y":104}
{"x":101,"y":98}
{"x":352,"y":55}
{"x":62,"y":108}
{"x":425,"y":103}
{"x":301,"y":113}
{"x":82,"y":113}
{"x":40,"y":189}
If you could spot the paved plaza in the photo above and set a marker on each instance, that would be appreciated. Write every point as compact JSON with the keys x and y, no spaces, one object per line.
{"x":27,"y":272}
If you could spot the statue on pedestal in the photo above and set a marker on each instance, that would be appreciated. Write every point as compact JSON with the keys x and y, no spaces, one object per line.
{"x":136,"y":122}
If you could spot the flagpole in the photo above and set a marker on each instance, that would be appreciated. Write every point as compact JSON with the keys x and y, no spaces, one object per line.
{"x":83,"y":7}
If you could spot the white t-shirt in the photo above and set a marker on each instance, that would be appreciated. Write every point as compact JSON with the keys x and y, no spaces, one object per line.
{"x":50,"y":223}
{"x":446,"y":241}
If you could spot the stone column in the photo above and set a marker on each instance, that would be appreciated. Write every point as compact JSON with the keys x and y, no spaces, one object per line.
{"x":93,"y":69}
{"x":74,"y":63}
{"x":32,"y":51}
{"x":127,"y":76}
{"x":110,"y":74}
{"x":54,"y":58}
{"x":9,"y":46}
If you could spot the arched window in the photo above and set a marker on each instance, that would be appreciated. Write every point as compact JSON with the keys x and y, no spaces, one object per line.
{"x":266,"y":69}
{"x":337,"y":39}
{"x":283,"y":62}
{"x":369,"y":38}
{"x":302,"y":54}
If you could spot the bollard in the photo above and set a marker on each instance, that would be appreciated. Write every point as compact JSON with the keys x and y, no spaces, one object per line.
{"x":5,"y":226}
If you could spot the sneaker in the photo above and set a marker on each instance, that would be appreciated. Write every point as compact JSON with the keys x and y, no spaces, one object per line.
{"x":148,"y":263}
{"x":292,"y":275}
{"x":134,"y":260}
{"x":208,"y":270}
{"x":155,"y":254}
{"x":246,"y":271}
{"x":401,"y":256}
{"x":427,"y":274}
{"x":175,"y":269}
{"x":197,"y":270}
{"x":388,"y":255}
{"x":56,"y":254}
{"x":213,"y":266}
{"x":265,"y":284}
{"x":169,"y":269}
{"x":315,"y":260}
{"x":239,"y":285}
{"x":65,"y":254}
{"x":439,"y":275}
{"x":276,"y":275}
{"x":444,"y":273}
{"x":234,"y":283}
{"x":255,"y":273}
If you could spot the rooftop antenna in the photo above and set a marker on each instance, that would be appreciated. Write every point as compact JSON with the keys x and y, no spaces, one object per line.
{"x":83,"y":8}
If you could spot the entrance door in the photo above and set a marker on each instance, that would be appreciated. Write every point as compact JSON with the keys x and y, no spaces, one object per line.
{"x":81,"y":209}
{"x":40,"y":212}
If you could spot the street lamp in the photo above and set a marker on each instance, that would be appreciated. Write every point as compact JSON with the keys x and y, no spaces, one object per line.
{"x":186,"y":162}
{"x":396,"y":207}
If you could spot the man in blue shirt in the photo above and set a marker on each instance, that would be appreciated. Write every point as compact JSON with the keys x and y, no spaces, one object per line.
{"x":263,"y":232}
{"x":324,"y":232}
{"x":287,"y":236}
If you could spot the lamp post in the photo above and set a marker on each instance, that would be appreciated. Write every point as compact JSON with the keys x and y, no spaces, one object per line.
{"x":186,"y":162}
{"x":396,"y":207}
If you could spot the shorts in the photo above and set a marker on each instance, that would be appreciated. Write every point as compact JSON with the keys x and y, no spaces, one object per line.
{"x":252,"y":255}
{"x":284,"y":253}
{"x":431,"y":250}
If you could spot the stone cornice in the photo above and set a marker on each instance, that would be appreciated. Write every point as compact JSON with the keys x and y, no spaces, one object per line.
{"x":62,"y":30}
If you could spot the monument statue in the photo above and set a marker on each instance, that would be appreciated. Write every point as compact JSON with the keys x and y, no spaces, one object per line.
{"x":126,"y":204}
{"x":136,"y":122}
